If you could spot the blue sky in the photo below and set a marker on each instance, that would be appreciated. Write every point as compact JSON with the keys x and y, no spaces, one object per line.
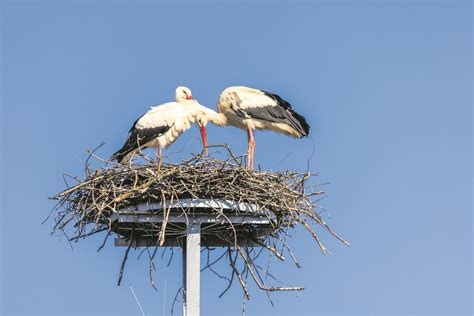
{"x":385,"y":85}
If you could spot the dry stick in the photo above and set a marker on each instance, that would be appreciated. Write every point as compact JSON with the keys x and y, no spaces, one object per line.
{"x":95,"y":231}
{"x":209,"y":266}
{"x":324,"y":250}
{"x":136,"y":180}
{"x":74,"y":188}
{"x":259,"y":281}
{"x":329,"y":229}
{"x":151,"y":267}
{"x":270,"y":248}
{"x":144,"y":185}
{"x":229,"y":151}
{"x":92,"y":154}
{"x":320,"y":221}
{"x":268,"y":274}
{"x":239,"y":277}
{"x":142,"y":252}
{"x":171,"y":257}
{"x":175,"y":299}
{"x":125,"y":258}
{"x":285,"y":244}
{"x":231,"y":280}
{"x":246,"y":277}
{"x":244,"y":300}
{"x":165,"y":218}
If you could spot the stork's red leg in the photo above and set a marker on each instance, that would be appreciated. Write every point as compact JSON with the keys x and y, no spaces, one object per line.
{"x":159,"y":155}
{"x":253,"y":150}
{"x":251,"y":147}
{"x":204,"y":137}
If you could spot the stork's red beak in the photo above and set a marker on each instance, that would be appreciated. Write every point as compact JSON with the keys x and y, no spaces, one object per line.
{"x":189,"y":97}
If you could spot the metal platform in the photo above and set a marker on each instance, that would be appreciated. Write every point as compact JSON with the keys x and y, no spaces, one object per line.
{"x":190,"y":218}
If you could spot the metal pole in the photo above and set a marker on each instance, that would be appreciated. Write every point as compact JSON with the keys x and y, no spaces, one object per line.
{"x":192,"y":269}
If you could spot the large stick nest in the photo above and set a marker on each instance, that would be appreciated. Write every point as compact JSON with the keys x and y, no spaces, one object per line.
{"x":288,"y":198}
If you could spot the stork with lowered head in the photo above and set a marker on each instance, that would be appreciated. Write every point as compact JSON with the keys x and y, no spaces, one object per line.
{"x":250,"y":109}
{"x":163,"y":124}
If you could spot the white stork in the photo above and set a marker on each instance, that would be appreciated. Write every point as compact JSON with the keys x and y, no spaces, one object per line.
{"x":161,"y":125}
{"x":250,"y":109}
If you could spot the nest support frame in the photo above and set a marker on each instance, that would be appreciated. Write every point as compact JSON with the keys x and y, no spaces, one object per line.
{"x":194,"y":225}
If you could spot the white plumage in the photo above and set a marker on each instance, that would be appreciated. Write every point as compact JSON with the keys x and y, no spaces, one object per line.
{"x":171,"y":114}
{"x":250,"y":109}
{"x":163,"y":124}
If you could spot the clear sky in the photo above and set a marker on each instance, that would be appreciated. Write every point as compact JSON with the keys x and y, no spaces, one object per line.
{"x":385,"y":85}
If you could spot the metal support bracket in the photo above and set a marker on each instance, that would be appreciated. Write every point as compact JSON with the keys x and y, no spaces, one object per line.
{"x":141,"y":214}
{"x":192,"y":269}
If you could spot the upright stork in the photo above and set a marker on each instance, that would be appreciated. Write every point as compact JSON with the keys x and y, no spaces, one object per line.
{"x":163,"y":124}
{"x":250,"y":109}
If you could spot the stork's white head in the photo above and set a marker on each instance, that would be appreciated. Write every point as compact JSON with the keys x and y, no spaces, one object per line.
{"x":183,"y":94}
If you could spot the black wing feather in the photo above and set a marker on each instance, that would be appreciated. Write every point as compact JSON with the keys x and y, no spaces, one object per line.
{"x":282,"y":113}
{"x":137,"y":138}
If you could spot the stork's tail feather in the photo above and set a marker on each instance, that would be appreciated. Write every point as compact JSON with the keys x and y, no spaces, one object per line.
{"x":300,"y":124}
{"x":297,"y":121}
